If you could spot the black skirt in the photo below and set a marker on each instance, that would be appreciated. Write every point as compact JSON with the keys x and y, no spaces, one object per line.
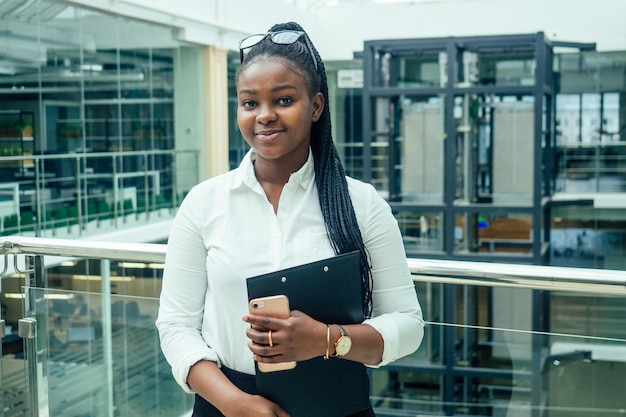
{"x":246,"y":383}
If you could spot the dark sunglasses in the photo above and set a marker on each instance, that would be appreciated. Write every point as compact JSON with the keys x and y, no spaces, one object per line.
{"x":283,"y":37}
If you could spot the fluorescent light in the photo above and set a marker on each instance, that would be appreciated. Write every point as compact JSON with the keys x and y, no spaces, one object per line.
{"x":59,"y":296}
{"x":13,"y":295}
{"x":99,"y":278}
{"x":16,"y":295}
{"x":139,"y":265}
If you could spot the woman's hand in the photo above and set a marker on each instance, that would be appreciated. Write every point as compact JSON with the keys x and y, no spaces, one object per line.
{"x":297,"y":338}
{"x":210,"y":382}
{"x":253,"y":406}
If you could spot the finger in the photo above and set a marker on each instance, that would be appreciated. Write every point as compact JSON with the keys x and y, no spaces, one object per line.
{"x":263,"y":323}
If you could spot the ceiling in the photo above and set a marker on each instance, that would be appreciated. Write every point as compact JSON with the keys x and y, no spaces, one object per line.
{"x":315,"y":4}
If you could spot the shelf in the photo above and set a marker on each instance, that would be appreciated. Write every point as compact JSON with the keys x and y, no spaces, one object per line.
{"x":16,"y":137}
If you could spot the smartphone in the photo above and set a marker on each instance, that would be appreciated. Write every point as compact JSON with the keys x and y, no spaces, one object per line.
{"x":273,"y":306}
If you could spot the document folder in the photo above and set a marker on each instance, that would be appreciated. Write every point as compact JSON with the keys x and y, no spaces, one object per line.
{"x":329,"y":291}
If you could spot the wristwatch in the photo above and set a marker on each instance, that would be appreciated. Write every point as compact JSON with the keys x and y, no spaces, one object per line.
{"x":344,"y":343}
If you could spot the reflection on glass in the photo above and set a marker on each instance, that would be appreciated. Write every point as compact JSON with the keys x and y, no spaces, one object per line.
{"x":421,"y":231}
{"x":83,"y":82}
{"x":589,"y":150}
{"x":577,"y":376}
{"x":496,"y":233}
{"x":497,"y":68}
{"x":421,"y":150}
{"x":513,"y":151}
{"x":582,"y":236}
{"x":423,"y":69}
{"x":85,"y":368}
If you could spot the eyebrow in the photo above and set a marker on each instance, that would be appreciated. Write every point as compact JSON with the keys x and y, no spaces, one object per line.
{"x":274,"y":90}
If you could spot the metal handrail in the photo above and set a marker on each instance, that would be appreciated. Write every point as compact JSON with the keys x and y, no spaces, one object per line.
{"x":590,"y":281}
{"x":89,"y":249}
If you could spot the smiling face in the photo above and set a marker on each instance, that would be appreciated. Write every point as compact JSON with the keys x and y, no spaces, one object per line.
{"x":275,"y":112}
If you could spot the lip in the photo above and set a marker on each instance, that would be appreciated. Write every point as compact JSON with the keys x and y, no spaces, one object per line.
{"x":267,"y":135}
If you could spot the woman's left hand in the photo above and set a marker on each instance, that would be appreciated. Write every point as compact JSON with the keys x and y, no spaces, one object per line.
{"x":274,"y":340}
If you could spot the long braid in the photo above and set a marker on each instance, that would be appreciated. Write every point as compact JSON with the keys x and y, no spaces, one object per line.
{"x":335,"y":203}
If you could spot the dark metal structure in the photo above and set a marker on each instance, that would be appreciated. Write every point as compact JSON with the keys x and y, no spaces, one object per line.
{"x":458,"y":133}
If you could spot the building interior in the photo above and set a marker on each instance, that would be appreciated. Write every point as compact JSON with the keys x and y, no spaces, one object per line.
{"x":495,"y":130}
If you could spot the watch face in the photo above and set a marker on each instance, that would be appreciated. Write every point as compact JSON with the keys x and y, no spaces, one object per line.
{"x":343,"y":345}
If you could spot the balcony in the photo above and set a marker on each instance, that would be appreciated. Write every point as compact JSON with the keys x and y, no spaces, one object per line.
{"x":77,"y":195}
{"x":501,"y":339}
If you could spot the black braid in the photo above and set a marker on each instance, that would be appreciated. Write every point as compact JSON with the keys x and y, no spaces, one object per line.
{"x":335,"y":203}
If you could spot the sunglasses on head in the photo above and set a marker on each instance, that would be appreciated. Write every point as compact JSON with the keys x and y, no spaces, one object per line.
{"x":282,"y":37}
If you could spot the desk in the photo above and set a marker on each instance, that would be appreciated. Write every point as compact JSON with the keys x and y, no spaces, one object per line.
{"x":128,"y":193}
{"x":12,"y":205}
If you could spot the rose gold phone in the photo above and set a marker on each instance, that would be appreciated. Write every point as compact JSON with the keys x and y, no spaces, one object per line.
{"x":273,"y":306}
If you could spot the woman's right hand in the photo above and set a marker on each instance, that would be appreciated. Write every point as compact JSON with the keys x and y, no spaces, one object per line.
{"x":207,"y":380}
{"x":253,"y":406}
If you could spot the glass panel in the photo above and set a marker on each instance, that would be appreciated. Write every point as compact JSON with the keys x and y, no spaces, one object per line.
{"x":345,"y":82}
{"x":578,"y":376}
{"x":591,"y":156}
{"x":124,"y":371}
{"x":498,"y":68}
{"x":513,"y":150}
{"x":412,"y":67}
{"x":425,"y":70}
{"x":494,"y":145}
{"x":382,"y":125}
{"x":583,"y":236}
{"x":421,"y":231}
{"x":12,"y":369}
{"x":420,"y":148}
{"x":495,"y":233}
{"x":81,"y":82}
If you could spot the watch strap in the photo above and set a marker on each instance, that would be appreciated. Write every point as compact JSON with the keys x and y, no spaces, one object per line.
{"x":341,"y":330}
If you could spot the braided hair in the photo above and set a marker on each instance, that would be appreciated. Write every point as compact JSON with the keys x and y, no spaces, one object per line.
{"x":335,"y":203}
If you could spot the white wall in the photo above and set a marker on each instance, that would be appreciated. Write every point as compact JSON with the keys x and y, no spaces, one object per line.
{"x":339,"y":31}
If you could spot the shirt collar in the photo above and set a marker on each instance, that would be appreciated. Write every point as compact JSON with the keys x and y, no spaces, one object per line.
{"x":245,"y":174}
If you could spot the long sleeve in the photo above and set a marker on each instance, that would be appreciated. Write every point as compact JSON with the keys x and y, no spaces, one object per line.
{"x":182,"y":302}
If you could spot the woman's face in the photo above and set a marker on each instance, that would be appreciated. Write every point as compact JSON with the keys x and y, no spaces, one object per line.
{"x":275,"y":111}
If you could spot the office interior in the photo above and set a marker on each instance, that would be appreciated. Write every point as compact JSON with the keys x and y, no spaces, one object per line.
{"x":491,"y":143}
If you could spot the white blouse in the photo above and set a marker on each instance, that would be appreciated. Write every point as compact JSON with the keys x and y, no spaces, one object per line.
{"x":226,"y":231}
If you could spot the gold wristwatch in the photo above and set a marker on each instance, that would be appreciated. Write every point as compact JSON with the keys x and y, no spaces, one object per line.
{"x":344,"y":343}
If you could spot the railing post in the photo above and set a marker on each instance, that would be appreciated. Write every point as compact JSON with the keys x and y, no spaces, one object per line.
{"x":79,"y":197}
{"x":115,"y":190}
{"x":27,"y":330}
{"x":107,"y":335}
{"x":146,"y":194}
{"x":34,"y":330}
{"x":38,"y":196}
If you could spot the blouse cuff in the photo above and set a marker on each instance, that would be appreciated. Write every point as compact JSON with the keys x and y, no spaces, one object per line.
{"x":184,"y":368}
{"x":387,"y":328}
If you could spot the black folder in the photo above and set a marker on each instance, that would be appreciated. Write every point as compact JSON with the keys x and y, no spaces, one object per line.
{"x":329,"y":291}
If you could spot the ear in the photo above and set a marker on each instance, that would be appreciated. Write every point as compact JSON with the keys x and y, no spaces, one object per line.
{"x":318,"y":104}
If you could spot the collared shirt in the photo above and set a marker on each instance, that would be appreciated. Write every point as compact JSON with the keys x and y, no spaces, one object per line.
{"x":226,"y":230}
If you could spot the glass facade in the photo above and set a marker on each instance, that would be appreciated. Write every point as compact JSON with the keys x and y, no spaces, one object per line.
{"x":86,"y":118}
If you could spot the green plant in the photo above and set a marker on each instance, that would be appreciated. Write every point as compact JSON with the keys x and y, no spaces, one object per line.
{"x":11,"y":151}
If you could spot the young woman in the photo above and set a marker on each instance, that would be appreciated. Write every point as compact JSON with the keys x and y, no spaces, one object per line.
{"x":288,"y":203}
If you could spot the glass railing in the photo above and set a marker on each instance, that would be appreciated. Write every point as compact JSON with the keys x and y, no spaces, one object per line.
{"x":81,"y":194}
{"x":102,"y":360}
{"x":500,"y":340}
{"x":592,"y":167}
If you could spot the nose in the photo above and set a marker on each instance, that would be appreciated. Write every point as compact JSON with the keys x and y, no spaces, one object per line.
{"x":266,"y":114}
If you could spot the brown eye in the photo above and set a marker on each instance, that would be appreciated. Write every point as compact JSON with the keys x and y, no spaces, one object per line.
{"x":284,"y":101}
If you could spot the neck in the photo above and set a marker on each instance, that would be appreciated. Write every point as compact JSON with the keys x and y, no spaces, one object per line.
{"x":277,"y":172}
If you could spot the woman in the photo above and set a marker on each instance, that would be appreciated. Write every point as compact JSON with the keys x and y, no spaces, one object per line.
{"x":288,"y":203}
